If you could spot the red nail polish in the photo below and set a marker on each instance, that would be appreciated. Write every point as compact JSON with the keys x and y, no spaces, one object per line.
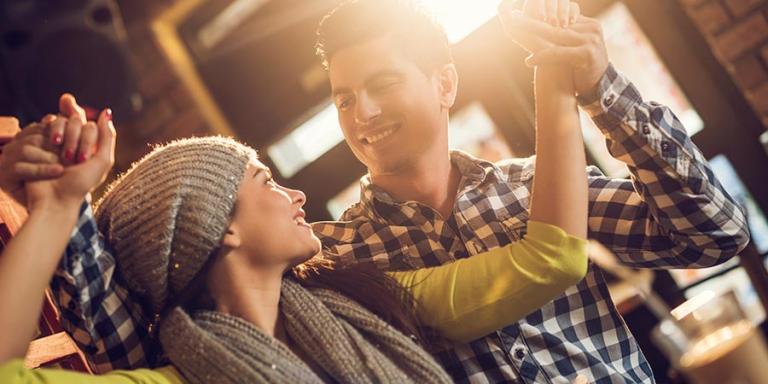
{"x":57,"y":139}
{"x":82,"y":158}
{"x":109,"y":114}
{"x":68,"y":155}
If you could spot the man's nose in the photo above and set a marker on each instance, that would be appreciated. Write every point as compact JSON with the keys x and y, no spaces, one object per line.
{"x":366,"y":109}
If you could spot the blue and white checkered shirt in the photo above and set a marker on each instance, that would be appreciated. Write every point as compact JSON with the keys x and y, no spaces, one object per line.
{"x":671,"y":213}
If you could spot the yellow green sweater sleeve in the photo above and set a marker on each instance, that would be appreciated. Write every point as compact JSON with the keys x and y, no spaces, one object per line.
{"x":472,"y":297}
{"x":14,"y":372}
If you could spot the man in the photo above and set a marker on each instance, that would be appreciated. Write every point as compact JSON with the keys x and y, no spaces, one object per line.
{"x":421,"y":205}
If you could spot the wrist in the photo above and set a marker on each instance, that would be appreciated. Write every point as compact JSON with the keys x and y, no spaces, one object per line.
{"x":55,"y":206}
{"x":555,"y":77}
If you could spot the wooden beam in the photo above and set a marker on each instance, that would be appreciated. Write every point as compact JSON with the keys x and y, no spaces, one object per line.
{"x":49,"y":349}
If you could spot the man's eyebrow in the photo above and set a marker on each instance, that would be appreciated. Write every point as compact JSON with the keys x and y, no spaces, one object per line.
{"x":339,"y":91}
{"x":383,"y":74}
{"x":372,"y":78}
{"x":260,"y":170}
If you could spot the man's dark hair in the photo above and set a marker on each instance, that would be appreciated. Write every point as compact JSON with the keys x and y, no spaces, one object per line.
{"x":352,"y":22}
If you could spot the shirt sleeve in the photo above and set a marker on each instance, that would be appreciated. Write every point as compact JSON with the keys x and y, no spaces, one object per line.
{"x":96,"y":308}
{"x":672,"y":212}
{"x":14,"y":372}
{"x":472,"y":297}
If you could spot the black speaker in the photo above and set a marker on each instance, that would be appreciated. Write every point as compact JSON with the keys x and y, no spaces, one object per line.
{"x":48,"y":47}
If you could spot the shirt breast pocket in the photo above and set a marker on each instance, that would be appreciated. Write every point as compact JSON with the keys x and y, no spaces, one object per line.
{"x":515,"y":226}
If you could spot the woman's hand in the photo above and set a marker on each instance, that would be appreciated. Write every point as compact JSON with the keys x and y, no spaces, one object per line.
{"x":79,"y":178}
{"x":524,"y":25}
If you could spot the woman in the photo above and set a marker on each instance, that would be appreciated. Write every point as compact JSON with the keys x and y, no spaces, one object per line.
{"x":192,"y":227}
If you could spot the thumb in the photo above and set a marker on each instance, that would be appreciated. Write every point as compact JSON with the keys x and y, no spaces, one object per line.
{"x":68,"y":107}
{"x":107,"y":135}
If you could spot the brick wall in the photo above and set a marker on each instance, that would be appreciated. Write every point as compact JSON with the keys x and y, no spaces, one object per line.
{"x":737,"y":31}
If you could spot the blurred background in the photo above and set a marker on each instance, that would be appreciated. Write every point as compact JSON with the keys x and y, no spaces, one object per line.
{"x":247,"y":68}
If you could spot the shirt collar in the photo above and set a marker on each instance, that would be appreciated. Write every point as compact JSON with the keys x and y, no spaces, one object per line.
{"x":473,"y":172}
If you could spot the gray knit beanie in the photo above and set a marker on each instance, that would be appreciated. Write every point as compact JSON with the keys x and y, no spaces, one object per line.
{"x":170,"y":211}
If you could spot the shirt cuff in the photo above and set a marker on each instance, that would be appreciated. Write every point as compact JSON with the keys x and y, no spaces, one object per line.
{"x":612,"y":95}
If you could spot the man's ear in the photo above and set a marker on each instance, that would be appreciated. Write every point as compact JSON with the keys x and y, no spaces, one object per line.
{"x":448,"y":82}
{"x":232,"y":238}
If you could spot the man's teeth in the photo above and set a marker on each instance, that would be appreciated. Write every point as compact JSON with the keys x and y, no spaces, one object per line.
{"x":379,"y":136}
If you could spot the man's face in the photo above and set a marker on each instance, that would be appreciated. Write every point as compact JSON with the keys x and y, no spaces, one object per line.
{"x":389,"y":110}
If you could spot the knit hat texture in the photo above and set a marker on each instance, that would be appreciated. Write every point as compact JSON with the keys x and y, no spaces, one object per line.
{"x":167,"y":215}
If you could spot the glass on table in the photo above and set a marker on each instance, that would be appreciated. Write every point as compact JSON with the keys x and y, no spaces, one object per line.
{"x":709,"y":339}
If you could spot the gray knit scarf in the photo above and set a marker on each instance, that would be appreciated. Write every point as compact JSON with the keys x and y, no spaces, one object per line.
{"x":351,"y":344}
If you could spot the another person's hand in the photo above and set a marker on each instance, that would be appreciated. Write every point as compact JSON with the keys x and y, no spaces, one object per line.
{"x":79,"y":179}
{"x":27,"y":156}
{"x":580,"y":45}
{"x":24,"y":159}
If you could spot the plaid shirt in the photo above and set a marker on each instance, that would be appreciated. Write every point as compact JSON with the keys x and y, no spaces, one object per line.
{"x":672,"y":213}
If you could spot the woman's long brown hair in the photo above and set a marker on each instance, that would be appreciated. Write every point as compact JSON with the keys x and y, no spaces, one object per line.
{"x":363,"y":283}
{"x":369,"y":287}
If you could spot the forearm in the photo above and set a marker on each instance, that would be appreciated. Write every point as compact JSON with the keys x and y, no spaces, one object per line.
{"x":472,"y":297}
{"x":673,"y":212}
{"x":559,"y":194}
{"x":26,"y":267}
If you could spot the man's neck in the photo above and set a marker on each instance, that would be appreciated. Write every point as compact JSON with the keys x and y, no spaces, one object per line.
{"x":431,"y":183}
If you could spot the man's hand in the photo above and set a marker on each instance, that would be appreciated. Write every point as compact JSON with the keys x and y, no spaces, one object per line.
{"x":580,"y":45}
{"x":78,"y":179}
{"x":33,"y":154}
{"x":24,"y":159}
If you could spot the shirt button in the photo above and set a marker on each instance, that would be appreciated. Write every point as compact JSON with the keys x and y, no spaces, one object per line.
{"x":519,"y":353}
{"x":608,"y":101}
{"x":646,"y":129}
{"x":664,"y":146}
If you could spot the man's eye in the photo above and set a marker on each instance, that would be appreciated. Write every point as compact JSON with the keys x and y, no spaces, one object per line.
{"x":343,"y":104}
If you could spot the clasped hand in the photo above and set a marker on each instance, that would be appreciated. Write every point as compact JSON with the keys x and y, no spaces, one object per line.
{"x":57,"y":161}
{"x":555,"y":32}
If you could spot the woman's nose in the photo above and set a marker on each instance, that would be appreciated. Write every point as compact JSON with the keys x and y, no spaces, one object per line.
{"x":297,"y":197}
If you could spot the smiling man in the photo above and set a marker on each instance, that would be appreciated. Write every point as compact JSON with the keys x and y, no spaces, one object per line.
{"x":393,"y":82}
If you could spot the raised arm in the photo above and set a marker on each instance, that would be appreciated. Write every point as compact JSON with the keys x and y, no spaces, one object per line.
{"x":96,"y":310}
{"x":673,"y":212}
{"x":472,"y":297}
{"x":53,"y":206}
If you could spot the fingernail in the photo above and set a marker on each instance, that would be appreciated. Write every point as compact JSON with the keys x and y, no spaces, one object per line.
{"x":57,"y":139}
{"x":108,"y":113}
{"x":82,"y":158}
{"x":68,"y":155}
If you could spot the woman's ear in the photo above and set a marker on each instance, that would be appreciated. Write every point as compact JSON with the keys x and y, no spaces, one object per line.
{"x":232,"y":238}
{"x":448,"y":82}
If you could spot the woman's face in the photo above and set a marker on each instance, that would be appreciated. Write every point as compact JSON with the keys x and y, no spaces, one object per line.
{"x":269,"y":220}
